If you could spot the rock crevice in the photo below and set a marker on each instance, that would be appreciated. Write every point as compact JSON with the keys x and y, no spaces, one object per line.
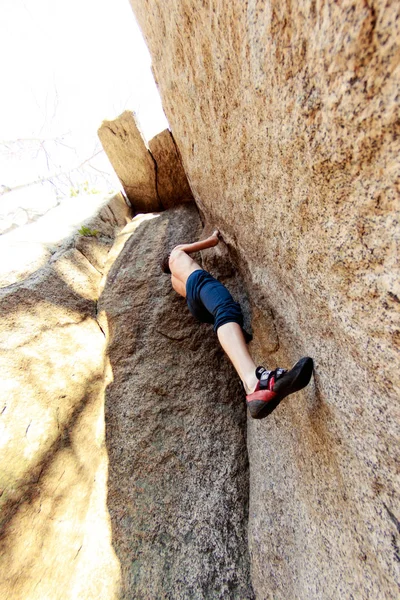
{"x":178,"y":479}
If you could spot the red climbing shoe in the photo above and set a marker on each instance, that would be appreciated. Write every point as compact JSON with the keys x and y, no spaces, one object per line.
{"x":275,"y":385}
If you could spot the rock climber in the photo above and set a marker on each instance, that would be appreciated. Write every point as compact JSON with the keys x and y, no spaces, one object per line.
{"x":210,"y":302}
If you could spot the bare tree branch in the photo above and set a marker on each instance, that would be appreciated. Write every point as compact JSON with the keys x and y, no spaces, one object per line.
{"x":4,"y":189}
{"x":40,"y":140}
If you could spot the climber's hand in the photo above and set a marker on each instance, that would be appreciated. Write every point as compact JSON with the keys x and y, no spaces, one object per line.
{"x":216,"y":233}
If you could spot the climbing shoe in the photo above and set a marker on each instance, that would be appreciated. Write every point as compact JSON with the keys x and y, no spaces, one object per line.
{"x":275,"y":385}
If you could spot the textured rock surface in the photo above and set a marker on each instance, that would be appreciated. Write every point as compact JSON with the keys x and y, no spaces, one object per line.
{"x":175,"y":431}
{"x":131,"y":160}
{"x":172,"y":184}
{"x":55,"y":538}
{"x":286,"y":115}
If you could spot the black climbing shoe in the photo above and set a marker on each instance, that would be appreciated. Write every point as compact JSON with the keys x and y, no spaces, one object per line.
{"x":275,"y":385}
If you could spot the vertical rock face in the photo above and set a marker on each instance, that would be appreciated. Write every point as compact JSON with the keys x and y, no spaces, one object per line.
{"x":175,"y":418}
{"x":172,"y":184}
{"x":55,"y":537}
{"x":131,"y":160}
{"x":286,"y":115}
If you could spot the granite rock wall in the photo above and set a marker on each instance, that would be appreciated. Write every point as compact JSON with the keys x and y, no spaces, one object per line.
{"x":287,"y":118}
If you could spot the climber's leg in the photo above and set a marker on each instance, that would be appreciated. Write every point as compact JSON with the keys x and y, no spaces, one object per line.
{"x":264,"y":389}
{"x":232,"y":341}
{"x":210,"y":301}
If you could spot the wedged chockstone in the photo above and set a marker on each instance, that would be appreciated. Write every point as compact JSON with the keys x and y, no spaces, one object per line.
{"x":175,"y":431}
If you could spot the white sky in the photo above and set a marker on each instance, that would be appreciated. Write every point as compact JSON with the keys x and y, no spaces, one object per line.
{"x":65,"y":66}
{"x":69,"y":65}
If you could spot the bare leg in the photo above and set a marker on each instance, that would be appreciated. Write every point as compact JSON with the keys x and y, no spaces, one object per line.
{"x":232,"y":341}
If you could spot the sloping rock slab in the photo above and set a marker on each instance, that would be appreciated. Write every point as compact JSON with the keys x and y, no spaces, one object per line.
{"x":175,"y":419}
{"x":55,"y":537}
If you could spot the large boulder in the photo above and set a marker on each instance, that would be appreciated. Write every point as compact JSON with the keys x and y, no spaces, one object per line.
{"x":55,"y":537}
{"x":152,"y":175}
{"x":286,"y":116}
{"x":172,"y":184}
{"x":172,"y":471}
{"x":127,"y":151}
{"x":178,"y":475}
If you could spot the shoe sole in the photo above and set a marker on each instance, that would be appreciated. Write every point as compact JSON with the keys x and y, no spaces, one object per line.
{"x":294,"y":380}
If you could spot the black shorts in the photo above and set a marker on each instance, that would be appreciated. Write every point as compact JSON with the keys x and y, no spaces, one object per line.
{"x":210,"y":302}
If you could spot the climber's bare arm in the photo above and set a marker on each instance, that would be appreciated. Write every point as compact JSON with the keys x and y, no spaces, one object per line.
{"x":209,"y":242}
{"x":181,"y":265}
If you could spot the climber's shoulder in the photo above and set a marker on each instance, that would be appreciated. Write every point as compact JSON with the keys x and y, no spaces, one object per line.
{"x":180,"y":263}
